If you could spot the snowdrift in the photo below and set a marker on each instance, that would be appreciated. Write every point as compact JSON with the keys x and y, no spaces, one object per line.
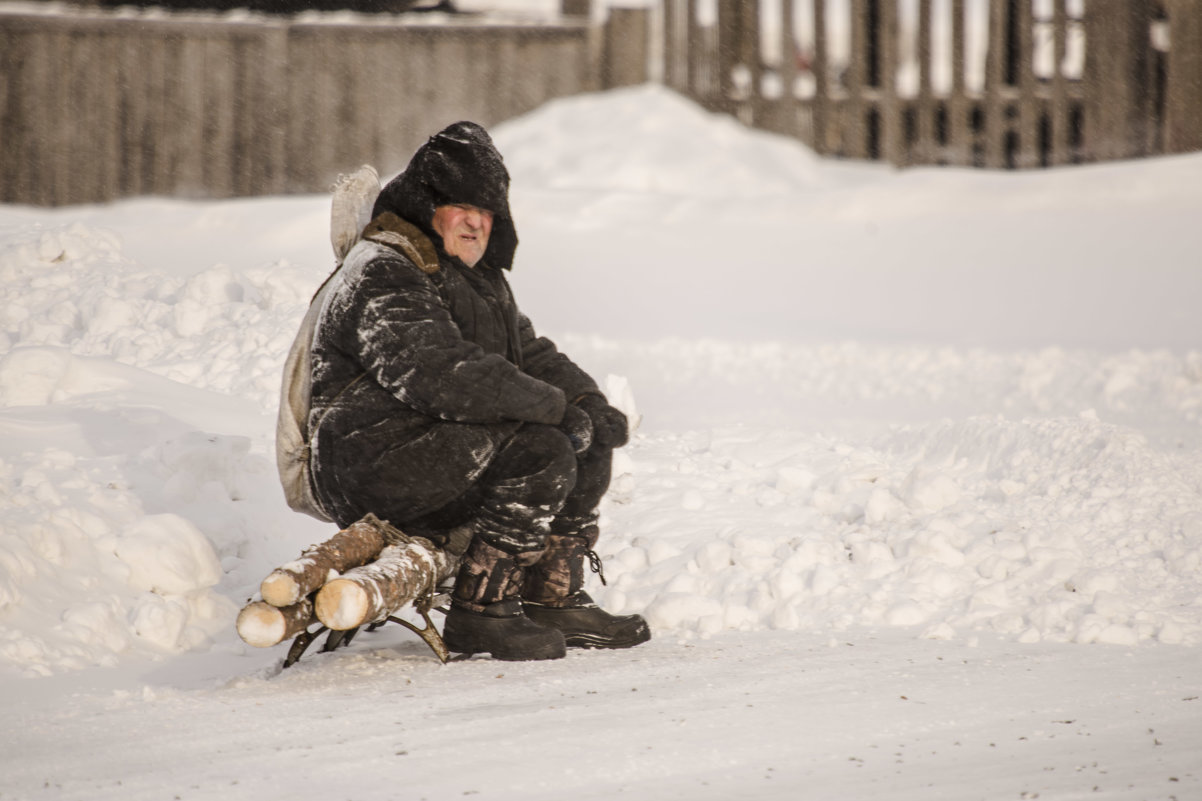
{"x":828,"y":440}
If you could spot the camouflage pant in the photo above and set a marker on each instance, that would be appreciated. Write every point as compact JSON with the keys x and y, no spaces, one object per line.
{"x":534,"y":485}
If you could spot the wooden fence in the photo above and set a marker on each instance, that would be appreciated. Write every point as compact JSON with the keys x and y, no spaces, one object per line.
{"x":101,"y":105}
{"x":96,"y":106}
{"x":993,"y":83}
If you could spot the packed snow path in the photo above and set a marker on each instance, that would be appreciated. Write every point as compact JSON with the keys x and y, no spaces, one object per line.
{"x":748,"y":716}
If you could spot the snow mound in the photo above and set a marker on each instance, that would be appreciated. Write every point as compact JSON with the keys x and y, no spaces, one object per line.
{"x":86,"y":574}
{"x":1064,"y":530}
{"x":117,"y":507}
{"x":72,"y":287}
{"x":650,"y":140}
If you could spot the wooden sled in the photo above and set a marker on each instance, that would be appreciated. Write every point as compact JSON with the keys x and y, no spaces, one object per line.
{"x":362,"y":576}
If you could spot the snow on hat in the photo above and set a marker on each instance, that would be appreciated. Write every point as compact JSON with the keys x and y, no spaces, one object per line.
{"x":459,"y":164}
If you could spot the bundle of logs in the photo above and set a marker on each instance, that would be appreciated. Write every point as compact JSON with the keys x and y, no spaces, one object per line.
{"x":362,"y":575}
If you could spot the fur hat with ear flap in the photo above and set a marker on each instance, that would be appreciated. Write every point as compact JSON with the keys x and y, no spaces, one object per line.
{"x":459,"y":164}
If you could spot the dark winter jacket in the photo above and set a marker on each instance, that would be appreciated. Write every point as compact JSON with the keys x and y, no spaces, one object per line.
{"x":423,"y":366}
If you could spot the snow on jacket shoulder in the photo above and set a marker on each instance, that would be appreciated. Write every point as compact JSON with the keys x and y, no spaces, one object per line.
{"x":436,"y":340}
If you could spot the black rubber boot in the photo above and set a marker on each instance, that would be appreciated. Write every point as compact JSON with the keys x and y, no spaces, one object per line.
{"x":486,"y":615}
{"x":502,"y":630}
{"x":586,"y":625}
{"x":553,"y":596}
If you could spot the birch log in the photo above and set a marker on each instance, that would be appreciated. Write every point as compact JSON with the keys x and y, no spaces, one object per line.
{"x":403,"y":573}
{"x":263,"y":625}
{"x":355,"y":545}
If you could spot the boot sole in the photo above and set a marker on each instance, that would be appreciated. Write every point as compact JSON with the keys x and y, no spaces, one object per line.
{"x":635,"y":630}
{"x":583,"y":640}
{"x":469,"y":646}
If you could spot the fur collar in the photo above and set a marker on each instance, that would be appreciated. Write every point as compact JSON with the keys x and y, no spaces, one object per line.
{"x":403,"y":236}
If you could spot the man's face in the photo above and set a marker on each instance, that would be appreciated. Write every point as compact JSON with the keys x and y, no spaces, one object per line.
{"x":464,"y":230}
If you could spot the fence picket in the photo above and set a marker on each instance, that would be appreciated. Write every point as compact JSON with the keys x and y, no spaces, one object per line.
{"x":924,"y":146}
{"x":1183,"y":91}
{"x":855,"y":130}
{"x":820,"y":66}
{"x":959,"y":148}
{"x":892,"y":144}
{"x":995,"y":75}
{"x":1058,"y":114}
{"x":1028,"y":110}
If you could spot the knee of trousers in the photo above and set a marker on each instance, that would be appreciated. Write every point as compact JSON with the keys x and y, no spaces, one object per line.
{"x":537,"y":467}
{"x":525,"y":488}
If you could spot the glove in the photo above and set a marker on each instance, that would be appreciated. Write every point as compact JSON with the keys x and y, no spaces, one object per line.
{"x":578,"y":427}
{"x":610,"y":428}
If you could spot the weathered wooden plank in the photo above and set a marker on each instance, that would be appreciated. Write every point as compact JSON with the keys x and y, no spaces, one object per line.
{"x":192,"y":87}
{"x":107,"y":127}
{"x":306,"y":112}
{"x":410,"y":93}
{"x":1117,"y":93}
{"x":219,"y":98}
{"x":995,"y":90}
{"x":855,"y":128}
{"x":363,"y":137}
{"x":453,"y":54}
{"x":246,"y":113}
{"x":1058,"y":107}
{"x":959,"y":149}
{"x":1183,"y":86}
{"x":675,"y":45}
{"x":158,"y":136}
{"x":821,"y":104}
{"x":97,"y":112}
{"x":271,"y":118}
{"x":76,"y":61}
{"x":59,"y":173}
{"x":787,"y":70}
{"x":924,"y":148}
{"x":1028,"y":103}
{"x":892,"y":135}
{"x":626,"y":37}
{"x":820,"y":67}
{"x":10,"y":68}
{"x":21,"y":147}
{"x":702,"y":54}
{"x":388,"y":70}
{"x":572,"y":71}
{"x":750,"y":55}
{"x":728,"y":48}
{"x":132,"y":101}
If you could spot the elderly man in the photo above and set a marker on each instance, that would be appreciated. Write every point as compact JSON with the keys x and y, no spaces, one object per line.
{"x":437,"y":407}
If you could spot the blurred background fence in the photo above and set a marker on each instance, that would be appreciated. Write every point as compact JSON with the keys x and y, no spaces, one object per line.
{"x":988,"y":83}
{"x":99,"y":105}
{"x":96,"y":105}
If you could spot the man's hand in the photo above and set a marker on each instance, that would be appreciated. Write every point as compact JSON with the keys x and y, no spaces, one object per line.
{"x":610,"y":428}
{"x":579,"y":428}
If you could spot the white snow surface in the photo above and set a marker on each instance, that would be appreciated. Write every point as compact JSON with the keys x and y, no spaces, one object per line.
{"x":914,"y":507}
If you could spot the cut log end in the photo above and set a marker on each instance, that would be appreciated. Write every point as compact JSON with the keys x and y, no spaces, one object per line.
{"x":342,"y":604}
{"x":280,"y":589}
{"x":262,"y":625}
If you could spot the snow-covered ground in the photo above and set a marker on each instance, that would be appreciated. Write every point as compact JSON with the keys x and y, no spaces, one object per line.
{"x":914,"y":508}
